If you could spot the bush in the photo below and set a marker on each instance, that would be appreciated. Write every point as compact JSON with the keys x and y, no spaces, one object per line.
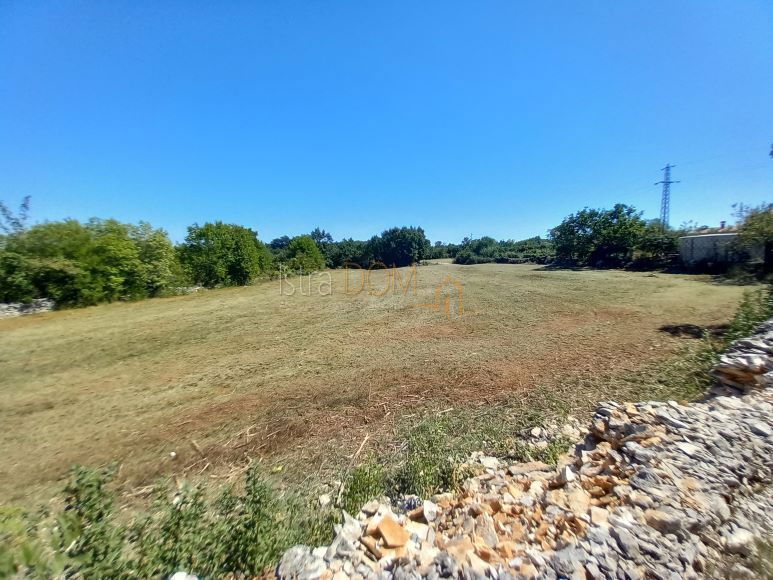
{"x":365,"y":482}
{"x":218,"y":254}
{"x":756,"y":307}
{"x":598,"y":237}
{"x":348,"y":251}
{"x":80,"y":264}
{"x":530,"y":251}
{"x":244,"y":534}
{"x":756,"y":229}
{"x":304,"y":255}
{"x":15,"y":278}
{"x":400,"y":246}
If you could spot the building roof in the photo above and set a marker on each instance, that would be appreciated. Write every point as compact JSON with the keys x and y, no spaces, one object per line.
{"x":722,"y":234}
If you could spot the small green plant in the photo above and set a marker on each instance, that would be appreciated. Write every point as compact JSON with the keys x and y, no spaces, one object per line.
{"x":428,"y":463}
{"x":366,"y":481}
{"x":762,"y":560}
{"x":86,"y":532}
{"x":756,"y":307}
{"x":556,"y":447}
{"x":234,"y":533}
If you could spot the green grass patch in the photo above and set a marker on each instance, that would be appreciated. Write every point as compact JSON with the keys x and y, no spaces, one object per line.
{"x":431,"y":451}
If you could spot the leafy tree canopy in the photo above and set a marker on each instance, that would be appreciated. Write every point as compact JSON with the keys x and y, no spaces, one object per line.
{"x":219,"y":254}
{"x":304,"y":255}
{"x":401,"y":246}
{"x":78,"y":263}
{"x":599,"y":237}
{"x":14,"y":222}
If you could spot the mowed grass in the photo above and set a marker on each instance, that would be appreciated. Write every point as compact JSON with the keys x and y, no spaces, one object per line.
{"x":230,"y":376}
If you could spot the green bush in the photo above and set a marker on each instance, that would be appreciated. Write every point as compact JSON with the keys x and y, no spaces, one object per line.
{"x":78,"y":264}
{"x":599,"y":237}
{"x":218,"y":254}
{"x":400,"y":246}
{"x":365,"y":482}
{"x":755,"y":228}
{"x":16,"y":283}
{"x":304,"y":255}
{"x":348,"y":252}
{"x":244,"y":534}
{"x":480,"y":251}
{"x":756,"y":307}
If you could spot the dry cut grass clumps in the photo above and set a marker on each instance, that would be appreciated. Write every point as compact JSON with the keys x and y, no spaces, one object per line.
{"x":245,"y":531}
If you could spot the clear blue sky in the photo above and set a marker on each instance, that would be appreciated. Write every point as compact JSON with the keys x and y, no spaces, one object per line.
{"x":495,"y":118}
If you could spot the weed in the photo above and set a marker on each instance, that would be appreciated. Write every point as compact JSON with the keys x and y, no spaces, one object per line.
{"x":756,"y":307}
{"x":426,"y":466}
{"x":762,"y":560}
{"x":365,"y":482}
{"x":243,"y":533}
{"x":556,"y":447}
{"x":432,"y":450}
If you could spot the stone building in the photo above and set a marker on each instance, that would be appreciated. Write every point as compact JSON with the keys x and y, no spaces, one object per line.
{"x":716,"y":248}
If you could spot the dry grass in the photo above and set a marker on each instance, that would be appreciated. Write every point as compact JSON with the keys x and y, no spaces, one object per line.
{"x":229,"y":375}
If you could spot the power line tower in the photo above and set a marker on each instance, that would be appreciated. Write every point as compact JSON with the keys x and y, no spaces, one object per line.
{"x":665,"y":200}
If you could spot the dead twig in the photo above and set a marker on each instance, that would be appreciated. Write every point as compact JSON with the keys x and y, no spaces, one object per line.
{"x":197,"y":448}
{"x":143,"y":491}
{"x":349,"y":468}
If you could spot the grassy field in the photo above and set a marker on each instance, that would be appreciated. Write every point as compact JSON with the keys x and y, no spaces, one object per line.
{"x":227,"y":376}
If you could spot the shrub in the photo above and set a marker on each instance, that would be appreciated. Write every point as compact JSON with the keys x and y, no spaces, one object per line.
{"x":756,"y":229}
{"x":349,"y":251}
{"x":599,"y":237}
{"x":161,"y":268}
{"x":243,"y":534}
{"x":478,"y":251}
{"x":365,"y":482}
{"x":15,"y":278}
{"x":756,"y":307}
{"x":304,"y":255}
{"x":80,"y":264}
{"x":218,"y":254}
{"x":400,"y":246}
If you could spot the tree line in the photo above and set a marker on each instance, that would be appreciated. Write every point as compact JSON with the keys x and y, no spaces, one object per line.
{"x":103,"y":260}
{"x":619,"y":237}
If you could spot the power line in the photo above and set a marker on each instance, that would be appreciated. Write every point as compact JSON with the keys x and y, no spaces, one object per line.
{"x":665,"y":200}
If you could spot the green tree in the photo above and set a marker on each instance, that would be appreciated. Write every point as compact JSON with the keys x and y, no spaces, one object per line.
{"x":303,"y":254}
{"x":348,"y":252}
{"x":279,"y":243}
{"x":15,"y":278}
{"x":218,"y":254}
{"x":657,"y":242}
{"x":321,"y":237}
{"x":755,"y":228}
{"x":80,"y":264}
{"x":599,"y":237}
{"x":14,"y":222}
{"x":162,"y":269}
{"x":401,"y":246}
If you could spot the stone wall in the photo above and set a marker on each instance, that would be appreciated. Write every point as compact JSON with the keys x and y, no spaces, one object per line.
{"x":20,"y":309}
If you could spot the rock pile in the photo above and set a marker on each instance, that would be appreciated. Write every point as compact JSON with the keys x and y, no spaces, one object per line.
{"x":8,"y":310}
{"x":655,"y":490}
{"x":748,"y":363}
